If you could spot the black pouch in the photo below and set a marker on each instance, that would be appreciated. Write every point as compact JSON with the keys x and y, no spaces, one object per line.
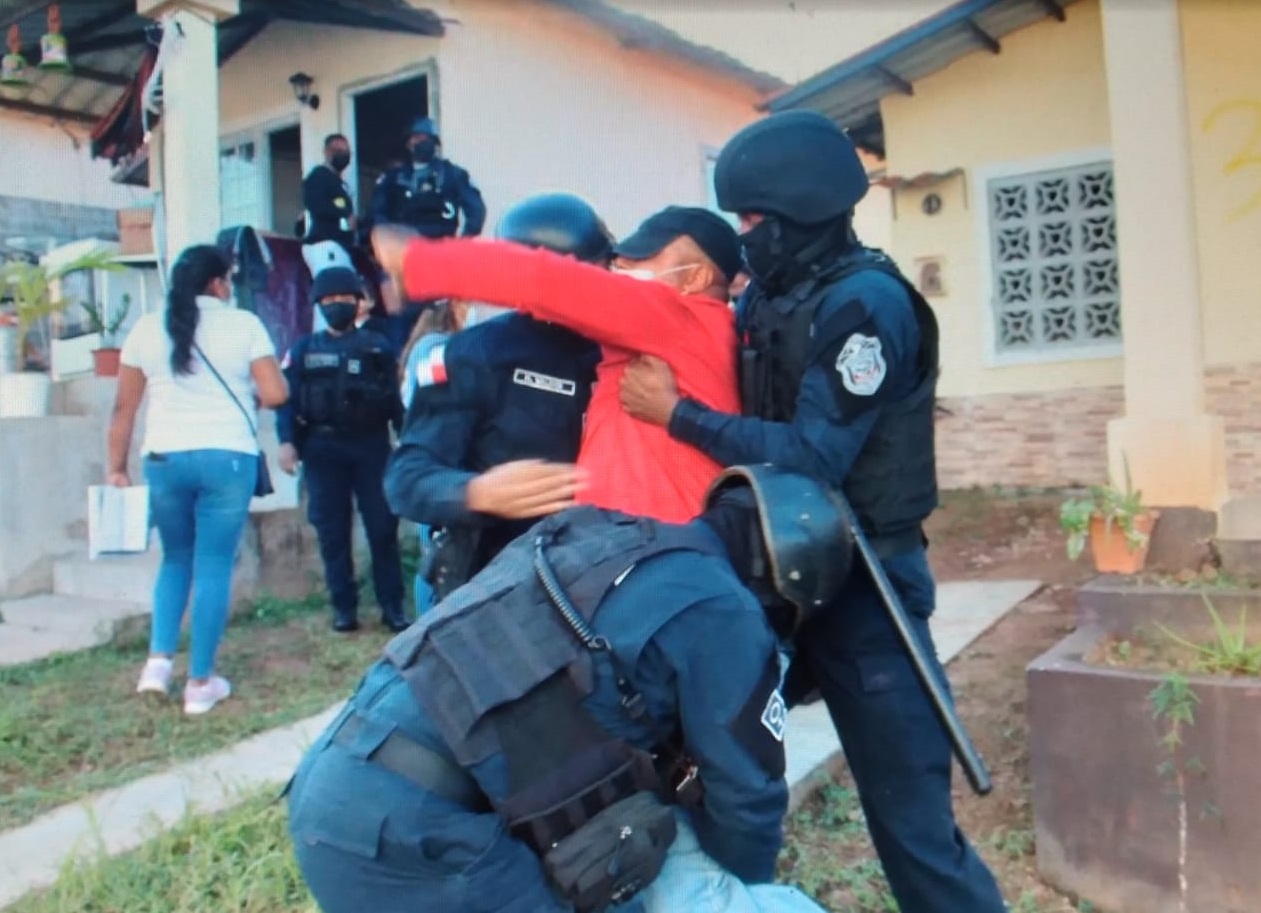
{"x":448,"y":562}
{"x":263,"y":486}
{"x":614,"y":855}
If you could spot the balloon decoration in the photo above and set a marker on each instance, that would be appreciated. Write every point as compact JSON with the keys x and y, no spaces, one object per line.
{"x":53,"y":52}
{"x":13,"y":70}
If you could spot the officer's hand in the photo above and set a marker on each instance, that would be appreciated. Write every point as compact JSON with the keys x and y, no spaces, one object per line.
{"x":523,"y":489}
{"x":648,"y":390}
{"x":389,"y":246}
{"x":118,"y":480}
{"x":289,"y":459}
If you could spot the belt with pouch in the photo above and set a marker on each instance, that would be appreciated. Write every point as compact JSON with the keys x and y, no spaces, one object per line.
{"x":419,"y":765}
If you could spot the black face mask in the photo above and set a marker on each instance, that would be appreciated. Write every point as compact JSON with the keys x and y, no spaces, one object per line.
{"x":424,"y":150}
{"x":339,"y":161}
{"x":779,"y":253}
{"x":339,"y":315}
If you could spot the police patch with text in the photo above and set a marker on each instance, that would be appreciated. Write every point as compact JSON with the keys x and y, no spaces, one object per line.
{"x":760,"y":725}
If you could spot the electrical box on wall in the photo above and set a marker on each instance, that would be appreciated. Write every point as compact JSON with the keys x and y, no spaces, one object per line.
{"x":930,"y":276}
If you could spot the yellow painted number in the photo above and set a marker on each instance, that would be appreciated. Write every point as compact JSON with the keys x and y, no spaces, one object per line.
{"x":1249,"y":154}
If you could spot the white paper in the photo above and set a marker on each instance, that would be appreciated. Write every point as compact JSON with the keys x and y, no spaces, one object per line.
{"x":118,"y":520}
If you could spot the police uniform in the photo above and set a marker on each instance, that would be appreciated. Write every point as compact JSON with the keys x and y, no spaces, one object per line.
{"x":839,"y":366}
{"x":526,"y":722}
{"x":329,"y":208}
{"x":428,"y":193}
{"x":343,"y":399}
{"x":511,"y":388}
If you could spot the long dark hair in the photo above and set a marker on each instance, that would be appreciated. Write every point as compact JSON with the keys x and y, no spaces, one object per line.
{"x":195,"y":269}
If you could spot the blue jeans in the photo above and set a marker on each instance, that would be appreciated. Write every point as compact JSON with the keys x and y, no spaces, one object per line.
{"x":200,"y":500}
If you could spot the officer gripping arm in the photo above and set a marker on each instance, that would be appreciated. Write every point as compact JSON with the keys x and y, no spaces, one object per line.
{"x":864,"y":354}
{"x":732,"y":717}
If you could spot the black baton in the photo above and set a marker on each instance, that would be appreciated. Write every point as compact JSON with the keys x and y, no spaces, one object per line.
{"x":960,"y":741}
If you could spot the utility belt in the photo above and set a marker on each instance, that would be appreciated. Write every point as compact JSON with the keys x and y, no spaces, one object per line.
{"x":347,"y":430}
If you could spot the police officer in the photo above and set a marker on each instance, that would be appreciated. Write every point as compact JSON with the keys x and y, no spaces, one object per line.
{"x":428,"y":193}
{"x":839,"y":367}
{"x":330,"y":211}
{"x":518,"y":747}
{"x":344,"y":398}
{"x":496,"y":416}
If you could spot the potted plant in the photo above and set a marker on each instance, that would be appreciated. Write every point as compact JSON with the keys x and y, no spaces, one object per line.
{"x":30,"y":288}
{"x":105,"y":358}
{"x":1115,"y":524}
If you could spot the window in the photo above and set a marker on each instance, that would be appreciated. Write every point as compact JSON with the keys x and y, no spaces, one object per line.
{"x":1053,"y":246}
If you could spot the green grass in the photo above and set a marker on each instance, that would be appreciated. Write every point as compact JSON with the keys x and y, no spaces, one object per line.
{"x":239,"y":861}
{"x":71,"y":725}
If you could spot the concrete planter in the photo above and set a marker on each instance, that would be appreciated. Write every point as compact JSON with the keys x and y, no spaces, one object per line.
{"x":1121,"y":606}
{"x":1120,"y":819}
{"x":25,"y":394}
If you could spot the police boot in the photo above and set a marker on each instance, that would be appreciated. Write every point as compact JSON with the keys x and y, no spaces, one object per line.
{"x":345,"y":621}
{"x":393,"y":619}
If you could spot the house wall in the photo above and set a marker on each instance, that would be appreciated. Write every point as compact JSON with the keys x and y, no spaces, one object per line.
{"x":529,"y":98}
{"x":1043,"y":102}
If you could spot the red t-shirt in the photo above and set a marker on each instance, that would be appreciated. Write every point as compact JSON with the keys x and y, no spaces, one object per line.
{"x":633,"y":466}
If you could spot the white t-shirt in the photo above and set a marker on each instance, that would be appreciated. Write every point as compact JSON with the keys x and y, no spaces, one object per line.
{"x":193,"y":411}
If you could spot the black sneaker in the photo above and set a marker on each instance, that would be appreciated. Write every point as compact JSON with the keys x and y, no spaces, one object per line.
{"x":395,"y":620}
{"x":345,"y":622}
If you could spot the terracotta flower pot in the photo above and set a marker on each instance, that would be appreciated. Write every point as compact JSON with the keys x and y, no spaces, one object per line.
{"x":106,"y":362}
{"x":1111,"y":550}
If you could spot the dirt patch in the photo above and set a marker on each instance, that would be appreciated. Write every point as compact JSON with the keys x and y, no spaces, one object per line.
{"x":974,"y":536}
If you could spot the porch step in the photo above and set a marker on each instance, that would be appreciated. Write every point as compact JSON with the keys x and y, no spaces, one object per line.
{"x":115,"y":578}
{"x":40,"y":626}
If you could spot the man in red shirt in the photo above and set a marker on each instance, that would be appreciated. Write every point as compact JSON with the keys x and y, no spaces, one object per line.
{"x":667,"y":296}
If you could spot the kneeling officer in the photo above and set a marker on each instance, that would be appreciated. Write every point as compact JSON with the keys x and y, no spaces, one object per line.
{"x":513,"y":749}
{"x":345,"y":396}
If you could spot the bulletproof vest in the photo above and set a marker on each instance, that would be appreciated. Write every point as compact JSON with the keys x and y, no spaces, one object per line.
{"x":426,"y":200}
{"x":345,"y":385}
{"x":892,"y":485}
{"x":500,"y":671}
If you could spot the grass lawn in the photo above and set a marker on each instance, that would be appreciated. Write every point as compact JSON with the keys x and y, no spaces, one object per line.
{"x":71,"y":725}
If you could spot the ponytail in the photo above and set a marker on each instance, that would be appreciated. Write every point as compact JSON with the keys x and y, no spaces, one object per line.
{"x":195,"y":269}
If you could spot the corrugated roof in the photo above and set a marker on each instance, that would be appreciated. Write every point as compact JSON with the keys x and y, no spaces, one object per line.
{"x":106,"y":39}
{"x":636,"y":31}
{"x":850,"y":92}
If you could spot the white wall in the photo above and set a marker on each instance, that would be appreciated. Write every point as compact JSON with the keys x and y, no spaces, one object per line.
{"x":39,"y":160}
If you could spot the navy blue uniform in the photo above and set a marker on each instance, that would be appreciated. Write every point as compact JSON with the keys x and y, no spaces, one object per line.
{"x":327,"y":201}
{"x":430,"y":199}
{"x":863,"y":361}
{"x":367,"y":839}
{"x":342,"y":433}
{"x":511,"y":388}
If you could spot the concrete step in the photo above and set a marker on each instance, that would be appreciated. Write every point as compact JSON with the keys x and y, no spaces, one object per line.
{"x":114,"y":578}
{"x":40,"y":626}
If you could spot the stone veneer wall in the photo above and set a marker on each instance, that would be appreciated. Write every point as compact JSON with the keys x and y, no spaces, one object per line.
{"x":1060,"y":438}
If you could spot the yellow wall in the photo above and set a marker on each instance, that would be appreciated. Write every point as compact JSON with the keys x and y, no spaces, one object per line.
{"x":1044,"y":95}
{"x":1223,"y":84}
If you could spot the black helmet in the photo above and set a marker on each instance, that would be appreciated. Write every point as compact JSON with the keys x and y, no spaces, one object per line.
{"x":424,"y":125}
{"x":559,"y":222}
{"x":336,"y":280}
{"x":796,"y":164}
{"x":805,"y":535}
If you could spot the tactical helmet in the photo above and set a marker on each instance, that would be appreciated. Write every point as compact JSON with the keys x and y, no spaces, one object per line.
{"x":805,"y":529}
{"x":559,"y":222}
{"x":795,"y":164}
{"x":336,"y":280}
{"x":426,"y":126}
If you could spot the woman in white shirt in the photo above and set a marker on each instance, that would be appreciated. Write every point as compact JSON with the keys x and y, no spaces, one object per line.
{"x":200,"y":455}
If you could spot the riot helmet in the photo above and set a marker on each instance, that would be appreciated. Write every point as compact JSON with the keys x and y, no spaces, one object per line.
{"x":339,"y":293}
{"x":788,"y":537}
{"x":423,"y":140}
{"x":559,"y":222}
{"x":796,"y":164}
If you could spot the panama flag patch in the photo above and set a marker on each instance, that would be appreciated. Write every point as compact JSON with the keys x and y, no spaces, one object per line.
{"x":432,"y":369}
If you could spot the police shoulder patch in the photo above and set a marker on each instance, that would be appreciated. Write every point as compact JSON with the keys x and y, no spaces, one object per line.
{"x":432,"y":367}
{"x":775,"y":715}
{"x":861,"y":364}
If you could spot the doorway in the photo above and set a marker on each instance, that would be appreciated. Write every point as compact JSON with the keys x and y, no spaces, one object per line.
{"x":286,"y":179}
{"x":260,"y":178}
{"x":380,"y":116}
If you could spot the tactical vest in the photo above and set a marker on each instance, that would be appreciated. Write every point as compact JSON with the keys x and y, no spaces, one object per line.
{"x":426,"y":202}
{"x":500,"y":670}
{"x":345,"y":389}
{"x":892,"y":485}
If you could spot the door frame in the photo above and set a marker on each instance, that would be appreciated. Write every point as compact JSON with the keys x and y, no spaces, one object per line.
{"x":259,"y":133}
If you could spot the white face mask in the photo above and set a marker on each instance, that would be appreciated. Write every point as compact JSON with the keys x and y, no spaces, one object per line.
{"x":480,"y":313}
{"x":647,"y":275}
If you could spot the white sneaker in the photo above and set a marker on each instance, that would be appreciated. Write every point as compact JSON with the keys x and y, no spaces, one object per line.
{"x":155,"y":678}
{"x":202,"y":698}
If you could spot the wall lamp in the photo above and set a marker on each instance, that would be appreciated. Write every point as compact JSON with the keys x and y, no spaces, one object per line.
{"x":302,"y":90}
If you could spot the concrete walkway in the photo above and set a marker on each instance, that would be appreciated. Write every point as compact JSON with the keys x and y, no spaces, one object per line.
{"x":121,"y":819}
